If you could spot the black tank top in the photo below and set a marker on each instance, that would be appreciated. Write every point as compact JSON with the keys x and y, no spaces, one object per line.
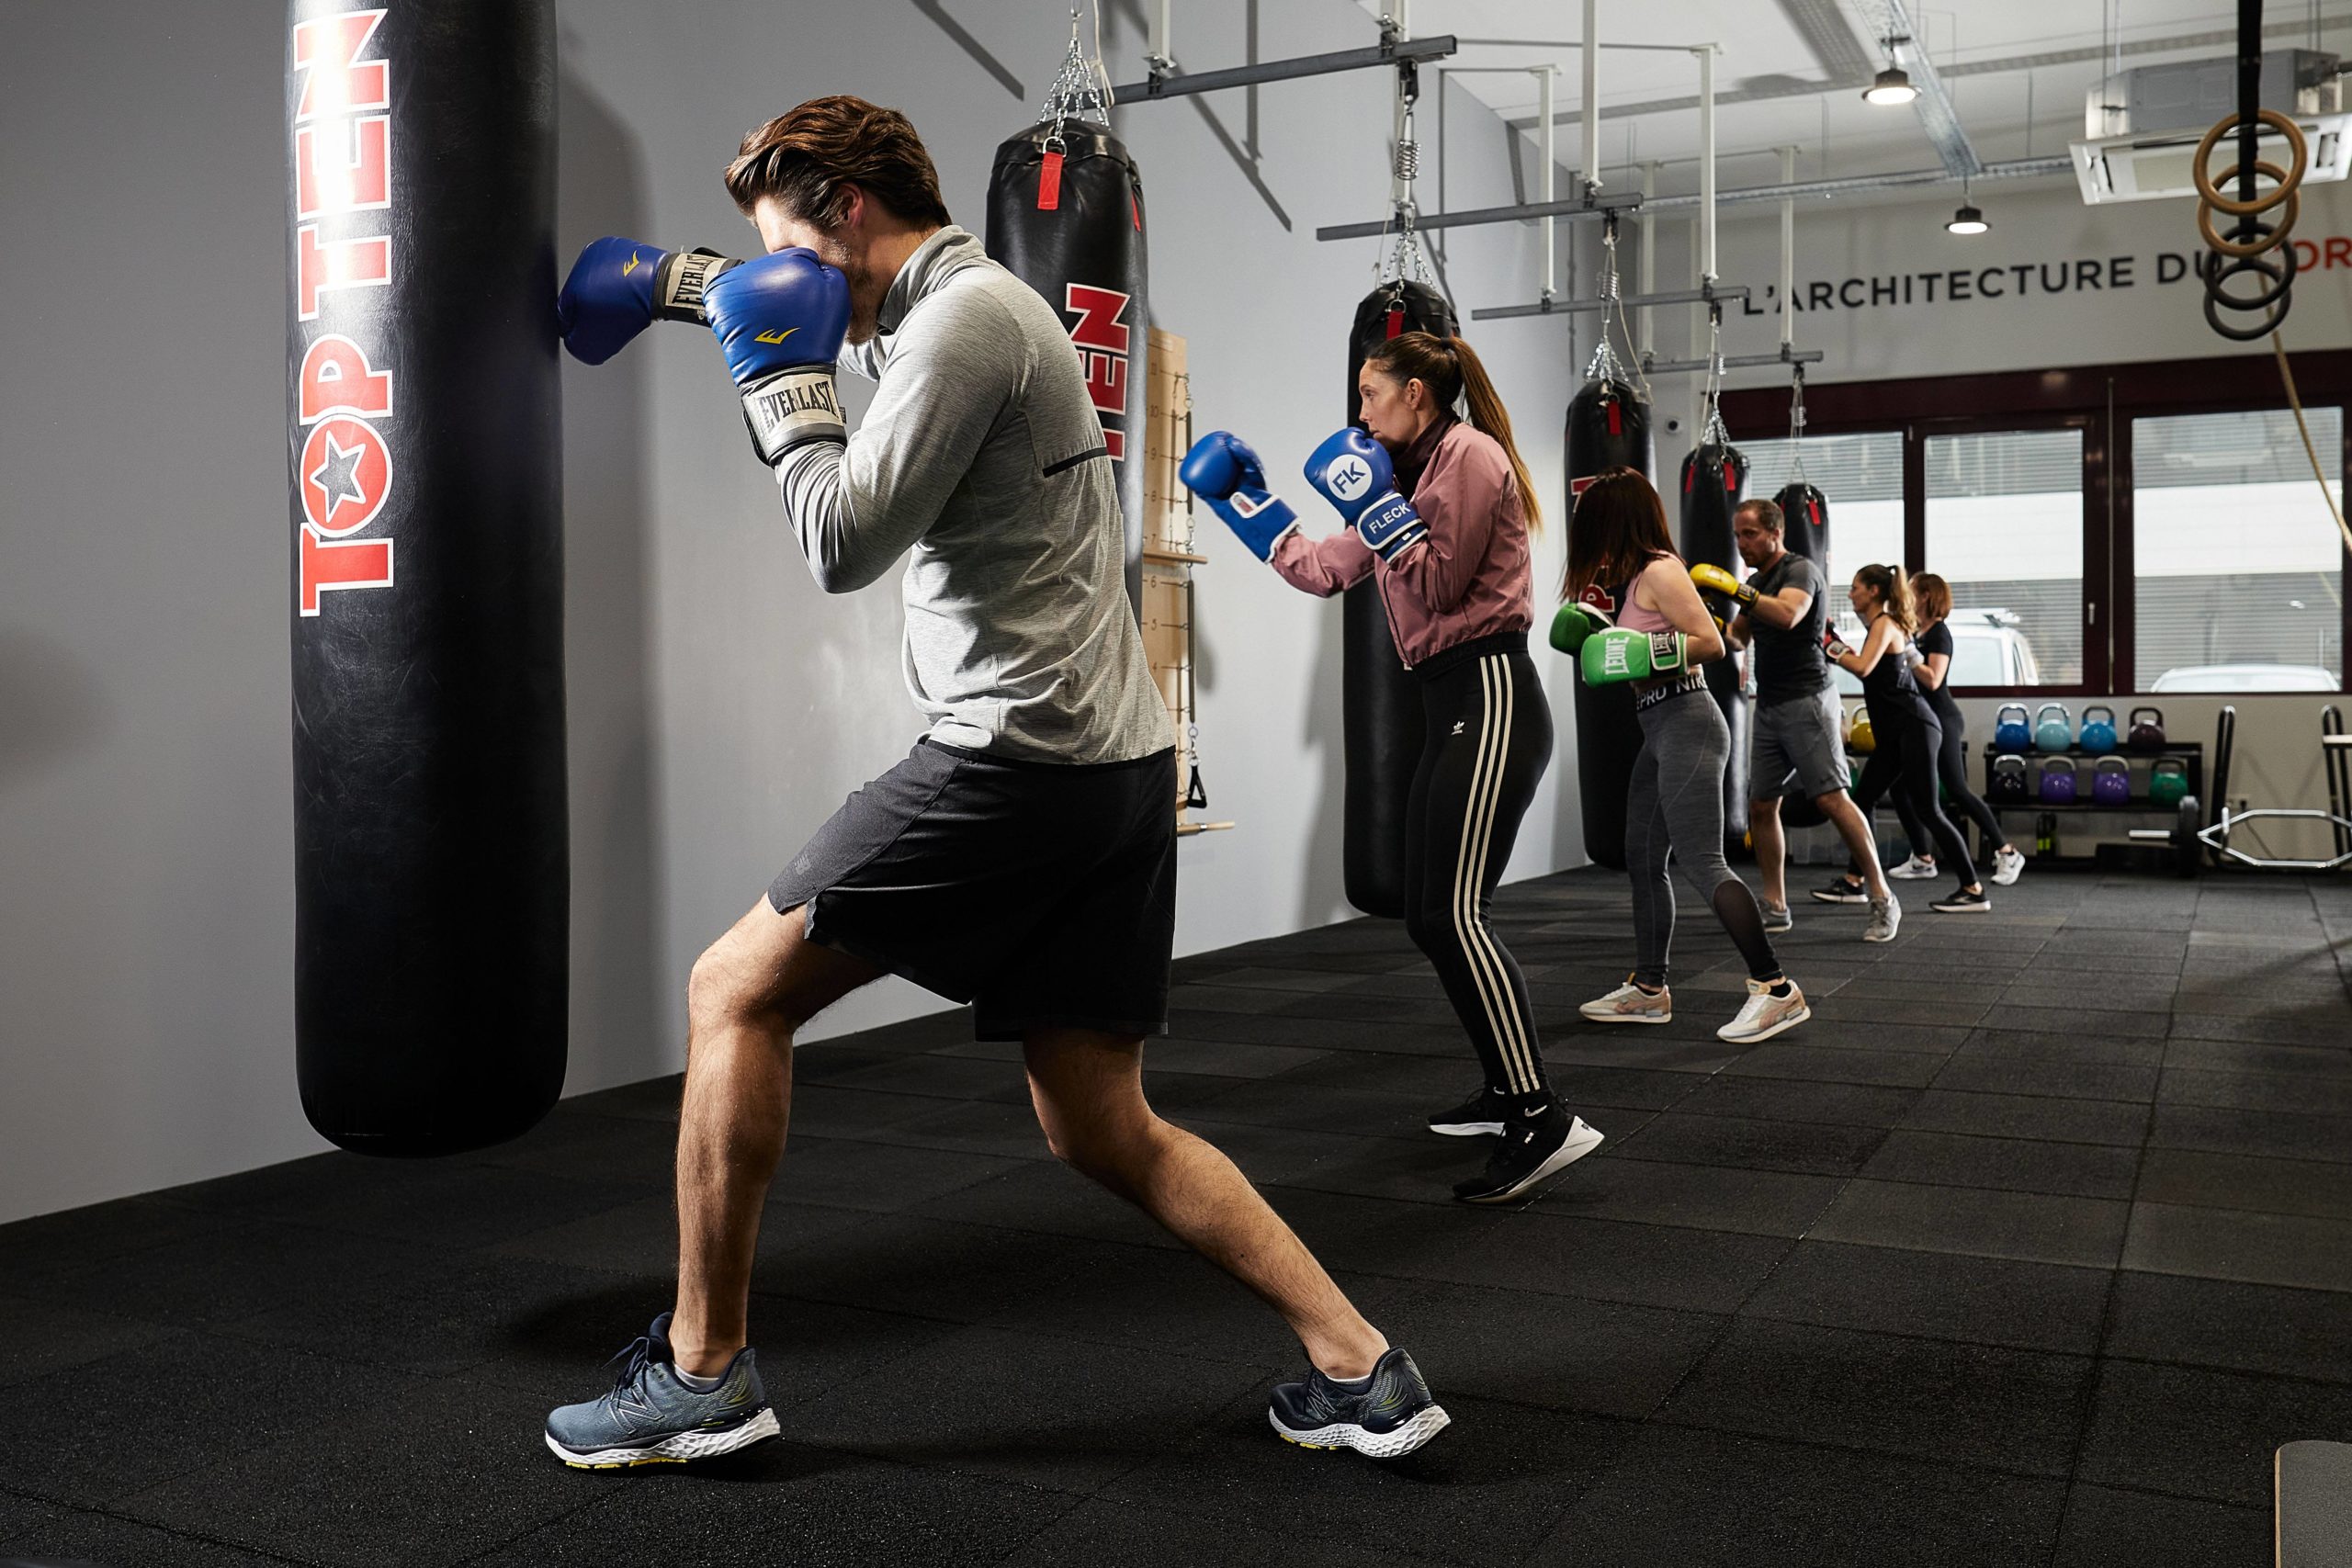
{"x":1889,"y":688}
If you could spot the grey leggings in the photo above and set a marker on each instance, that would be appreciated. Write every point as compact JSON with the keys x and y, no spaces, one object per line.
{"x":1674,"y":809}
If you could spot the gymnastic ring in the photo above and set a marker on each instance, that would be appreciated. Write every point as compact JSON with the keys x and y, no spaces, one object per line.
{"x":2268,"y":324}
{"x":2279,"y":266}
{"x":2286,"y":188}
{"x":2271,"y":237}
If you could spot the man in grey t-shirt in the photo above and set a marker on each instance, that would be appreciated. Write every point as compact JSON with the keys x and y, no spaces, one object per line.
{"x":1023,"y":858}
{"x":1796,"y":736}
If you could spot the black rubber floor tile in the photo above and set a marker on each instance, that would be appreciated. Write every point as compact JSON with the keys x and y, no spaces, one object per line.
{"x":1702,"y":1499}
{"x":177,"y":1407}
{"x":1639,"y":1050}
{"x":1097,"y":1532}
{"x":641,"y":1238}
{"x":1325,"y":1108}
{"x":2221,"y":1323}
{"x":654,"y":1100}
{"x":1275,"y":1154}
{"x":885,"y":1179}
{"x":1704,"y":1197}
{"x":2273,"y":1135}
{"x":1793,"y":1099}
{"x":1198,"y":997}
{"x":253,"y":1266}
{"x":2073,"y":1020}
{"x":831,"y":1061}
{"x":439,"y":1473}
{"x":1381,"y":1236}
{"x":1278,"y":979}
{"x":1339,"y":1007}
{"x":1074,"y":1416}
{"x":1819,"y":1149}
{"x":1525,"y":1348}
{"x":2199,"y":1433}
{"x":2032,"y":1227}
{"x":1176,"y":1303}
{"x":2032,"y":1046}
{"x":2246,"y":1182}
{"x":1933,"y":1399}
{"x":1050,"y":1197}
{"x":2110,"y":1527}
{"x":2317,"y":1026}
{"x":1299,"y":1036}
{"x":1417,"y":1170}
{"x":2258,"y":1091}
{"x":938,"y":1076}
{"x":828,"y":1111}
{"x":1983,"y":1301}
{"x":1892,"y":1069}
{"x":1620,"y":1088}
{"x":592,"y":1148}
{"x":1668,"y":1266}
{"x":1482,"y":1492}
{"x":42,"y":1533}
{"x":1008,"y":1131}
{"x":1829,"y":1030}
{"x":2029,"y":1116}
{"x":40,"y":1336}
{"x":900,"y":1263}
{"x":782,"y":1502}
{"x":926,"y":1031}
{"x":2231,"y":1244}
{"x":1440,"y":1080}
{"x":2010,"y":1165}
{"x":1989,"y":1073}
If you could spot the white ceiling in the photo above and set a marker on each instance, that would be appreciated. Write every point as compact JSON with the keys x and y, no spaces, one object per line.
{"x":1791,"y":72}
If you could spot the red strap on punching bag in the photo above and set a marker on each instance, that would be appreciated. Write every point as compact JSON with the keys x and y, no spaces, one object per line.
{"x":1050,"y":183}
{"x":1396,"y":322}
{"x":1136,"y":207}
{"x":1616,"y":416}
{"x":1731,"y":480}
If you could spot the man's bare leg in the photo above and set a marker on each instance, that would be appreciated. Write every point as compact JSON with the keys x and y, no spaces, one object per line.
{"x":1855,"y":829}
{"x":1772,"y":849}
{"x":749,"y":993}
{"x":1087,"y":1090}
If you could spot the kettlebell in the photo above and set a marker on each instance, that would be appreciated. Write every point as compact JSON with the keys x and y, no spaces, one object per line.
{"x":2011,"y":734}
{"x":2057,"y":781}
{"x":2112,"y":782}
{"x":2052,"y":728}
{"x":2099,"y":734}
{"x":2008,"y":777}
{"x":1859,"y":737}
{"x":2147,"y":734}
{"x":2168,"y":781}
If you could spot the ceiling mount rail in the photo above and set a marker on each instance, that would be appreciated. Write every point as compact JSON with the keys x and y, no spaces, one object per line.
{"x":1390,"y":52}
{"x":1574,"y":307}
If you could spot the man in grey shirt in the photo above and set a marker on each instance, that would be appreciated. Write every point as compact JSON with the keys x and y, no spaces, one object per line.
{"x":1023,"y":858}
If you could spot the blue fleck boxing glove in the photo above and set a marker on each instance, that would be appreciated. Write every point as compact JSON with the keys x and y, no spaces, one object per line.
{"x":780,"y":319}
{"x":1355,"y":474}
{"x":1223,"y":471}
{"x":618,"y":287}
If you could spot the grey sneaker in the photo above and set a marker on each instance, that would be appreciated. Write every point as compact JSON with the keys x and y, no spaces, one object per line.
{"x":649,"y":1416}
{"x":1885,"y":920}
{"x":1777,"y":917}
{"x":2007,"y":866}
{"x":1385,"y":1416}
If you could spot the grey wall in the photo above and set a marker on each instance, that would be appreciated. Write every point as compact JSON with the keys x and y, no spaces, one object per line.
{"x":720,"y":706}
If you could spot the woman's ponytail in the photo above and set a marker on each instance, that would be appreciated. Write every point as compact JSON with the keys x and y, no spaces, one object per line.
{"x":1488,"y":413}
{"x":1448,"y":368}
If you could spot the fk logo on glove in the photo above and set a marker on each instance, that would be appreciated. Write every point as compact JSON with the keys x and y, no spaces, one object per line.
{"x":1348,"y":478}
{"x":343,"y":168}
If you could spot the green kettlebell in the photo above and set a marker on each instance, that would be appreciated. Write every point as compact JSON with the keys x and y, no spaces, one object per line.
{"x":2168,"y":781}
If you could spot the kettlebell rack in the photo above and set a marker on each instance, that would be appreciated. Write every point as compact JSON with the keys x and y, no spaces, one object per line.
{"x":2190,"y":753}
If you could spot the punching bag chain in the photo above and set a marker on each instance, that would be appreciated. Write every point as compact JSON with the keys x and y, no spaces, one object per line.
{"x":1714,"y":433}
{"x":1081,"y":89}
{"x":1404,"y":259}
{"x":1796,"y":424}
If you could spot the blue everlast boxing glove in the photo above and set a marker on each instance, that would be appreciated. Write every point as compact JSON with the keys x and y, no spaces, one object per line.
{"x":1223,"y":471}
{"x":619,"y":287}
{"x":780,"y":319}
{"x":1355,"y":474}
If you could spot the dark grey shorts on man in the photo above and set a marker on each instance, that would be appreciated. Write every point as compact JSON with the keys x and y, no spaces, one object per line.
{"x":1800,"y":740}
{"x":1043,"y":894}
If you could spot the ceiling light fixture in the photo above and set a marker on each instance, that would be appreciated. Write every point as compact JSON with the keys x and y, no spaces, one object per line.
{"x":1967,"y":220}
{"x":1892,"y":86}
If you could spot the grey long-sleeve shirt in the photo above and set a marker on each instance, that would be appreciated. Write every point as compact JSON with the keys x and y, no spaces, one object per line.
{"x":982,"y":454}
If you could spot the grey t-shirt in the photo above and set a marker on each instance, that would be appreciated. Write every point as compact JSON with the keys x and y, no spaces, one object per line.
{"x":982,"y":454}
{"x":1790,"y":664}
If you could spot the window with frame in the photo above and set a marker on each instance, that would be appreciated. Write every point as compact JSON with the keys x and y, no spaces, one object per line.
{"x":2004,"y":526}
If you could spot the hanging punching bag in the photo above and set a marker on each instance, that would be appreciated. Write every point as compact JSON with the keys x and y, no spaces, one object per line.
{"x":1607,"y":427}
{"x":1804,"y":511}
{"x":1382,"y":706}
{"x":1713,"y":478}
{"x":1066,"y":217}
{"x":424,"y":472}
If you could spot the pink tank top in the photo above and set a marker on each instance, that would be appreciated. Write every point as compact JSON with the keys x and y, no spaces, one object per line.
{"x":1636,"y":617}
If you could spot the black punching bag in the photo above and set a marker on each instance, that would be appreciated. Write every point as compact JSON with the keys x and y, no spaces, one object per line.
{"x":1066,"y":218}
{"x":1607,"y":427}
{"x":1804,"y":513}
{"x":1381,"y":703}
{"x":424,"y":465}
{"x":1713,"y":478}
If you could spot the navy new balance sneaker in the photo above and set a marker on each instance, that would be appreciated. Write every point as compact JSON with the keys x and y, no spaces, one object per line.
{"x":651,"y":1416}
{"x":1386,"y":1416}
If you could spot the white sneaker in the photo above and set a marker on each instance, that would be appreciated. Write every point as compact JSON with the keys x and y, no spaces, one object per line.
{"x":1631,"y":1004}
{"x":1765,"y":1014}
{"x":1776,"y":917}
{"x":1913,"y":870}
{"x":1885,"y":920}
{"x":2007,"y":866}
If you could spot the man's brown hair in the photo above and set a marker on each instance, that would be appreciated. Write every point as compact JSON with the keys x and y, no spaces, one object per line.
{"x":804,"y":156}
{"x":1768,"y":514}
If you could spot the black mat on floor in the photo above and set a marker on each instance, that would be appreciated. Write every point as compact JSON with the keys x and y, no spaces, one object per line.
{"x":2028,"y":1249}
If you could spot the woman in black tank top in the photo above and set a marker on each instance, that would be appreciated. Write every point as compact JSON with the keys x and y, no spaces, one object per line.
{"x":1904,"y":724}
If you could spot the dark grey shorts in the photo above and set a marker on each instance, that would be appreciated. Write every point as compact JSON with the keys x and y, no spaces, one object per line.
{"x":1801,"y":740}
{"x":1045,"y":895}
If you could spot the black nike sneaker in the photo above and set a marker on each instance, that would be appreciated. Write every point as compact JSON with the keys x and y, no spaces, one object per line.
{"x":1385,"y":1416}
{"x":1481,"y":1115}
{"x":1530,"y":1151}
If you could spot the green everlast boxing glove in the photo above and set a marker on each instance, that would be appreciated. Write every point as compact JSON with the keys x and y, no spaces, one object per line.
{"x":1616,"y":654}
{"x":1573,"y":623}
